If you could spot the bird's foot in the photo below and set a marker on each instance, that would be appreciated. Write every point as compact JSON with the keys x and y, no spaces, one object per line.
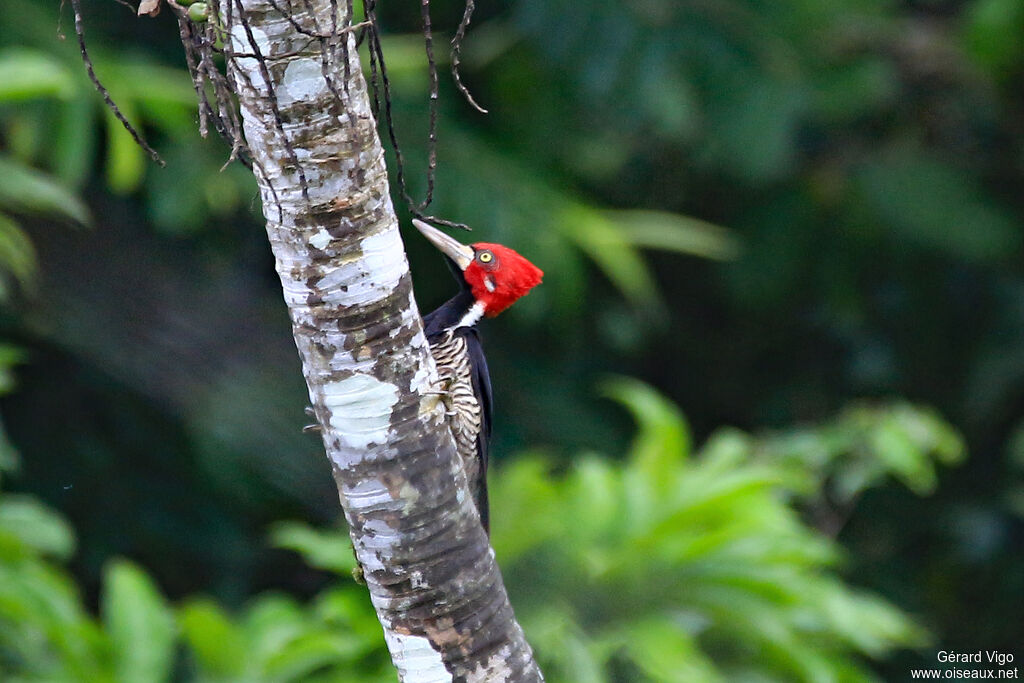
{"x":443,"y":390}
{"x":358,"y":575}
{"x":308,"y":429}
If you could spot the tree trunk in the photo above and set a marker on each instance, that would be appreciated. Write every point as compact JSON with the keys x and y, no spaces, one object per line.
{"x":431,"y":573}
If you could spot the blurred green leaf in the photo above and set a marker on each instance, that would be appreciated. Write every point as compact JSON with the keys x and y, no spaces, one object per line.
{"x":901,"y":456}
{"x":44,"y":631}
{"x":860,"y":447}
{"x":139,"y":79}
{"x":345,"y":608}
{"x":36,"y":526}
{"x":25,"y":190}
{"x":26,"y":73}
{"x":9,"y":457}
{"x":666,"y":653}
{"x":10,"y":356}
{"x":934,"y":205}
{"x":642,"y":566}
{"x":526,"y":491}
{"x":406,"y":61}
{"x":856,"y":90}
{"x":570,"y":656}
{"x":330,"y":551}
{"x":869,"y":622}
{"x":598,"y":238}
{"x":74,"y":143}
{"x":672,"y":232}
{"x":308,"y":652}
{"x":663,"y":438}
{"x":271,"y":621}
{"x":667,"y":96}
{"x":17,"y":257}
{"x":663,"y":556}
{"x":992,"y":35}
{"x":126,"y":161}
{"x":754,"y":124}
{"x":141,"y":625}
{"x":593,"y":493}
{"x":217,"y":643}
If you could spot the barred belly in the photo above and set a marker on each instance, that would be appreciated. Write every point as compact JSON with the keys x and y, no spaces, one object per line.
{"x":456,"y":376}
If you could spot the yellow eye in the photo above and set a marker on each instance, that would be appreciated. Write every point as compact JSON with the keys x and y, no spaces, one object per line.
{"x":485,"y":257}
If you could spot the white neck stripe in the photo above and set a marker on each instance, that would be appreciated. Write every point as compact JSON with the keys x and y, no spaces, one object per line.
{"x":472,"y":317}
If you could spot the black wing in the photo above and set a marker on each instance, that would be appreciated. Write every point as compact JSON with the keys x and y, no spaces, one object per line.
{"x":435,"y":323}
{"x":482,"y":389}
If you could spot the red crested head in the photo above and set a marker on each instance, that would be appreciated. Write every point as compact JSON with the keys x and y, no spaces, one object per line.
{"x":498,"y":276}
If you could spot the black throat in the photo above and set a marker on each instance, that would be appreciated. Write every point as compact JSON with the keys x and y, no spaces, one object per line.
{"x":448,"y":314}
{"x":452,"y":311}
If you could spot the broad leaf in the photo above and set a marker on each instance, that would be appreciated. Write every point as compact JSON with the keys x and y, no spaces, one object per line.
{"x":36,"y":526}
{"x":330,"y":551}
{"x":25,"y":190}
{"x":26,"y":74}
{"x":674,"y":232}
{"x":218,"y":644}
{"x":140,"y":624}
{"x":17,"y":255}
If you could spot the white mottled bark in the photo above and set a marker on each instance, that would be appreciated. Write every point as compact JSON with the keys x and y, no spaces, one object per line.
{"x":428,"y":565}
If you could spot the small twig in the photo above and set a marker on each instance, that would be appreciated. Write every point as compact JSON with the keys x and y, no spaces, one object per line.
{"x":205,"y":109}
{"x":257,"y":166}
{"x":198,"y":51}
{"x":380,"y":86}
{"x":442,"y":221}
{"x":460,"y":33}
{"x":350,"y":18}
{"x":274,"y":109}
{"x":428,"y":40}
{"x":370,"y":33}
{"x":315,"y":33}
{"x":378,"y":67}
{"x":80,"y":32}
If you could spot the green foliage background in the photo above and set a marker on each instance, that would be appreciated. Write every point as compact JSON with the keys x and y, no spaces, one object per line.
{"x":802,"y":219}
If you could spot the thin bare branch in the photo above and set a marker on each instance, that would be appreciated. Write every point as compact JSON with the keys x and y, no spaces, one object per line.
{"x":107,"y":99}
{"x":460,"y":34}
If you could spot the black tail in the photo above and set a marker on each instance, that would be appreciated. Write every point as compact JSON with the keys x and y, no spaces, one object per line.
{"x":482,"y":505}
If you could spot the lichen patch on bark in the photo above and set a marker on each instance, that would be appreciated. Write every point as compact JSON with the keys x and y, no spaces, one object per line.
{"x":494,"y":670}
{"x":303,"y":81}
{"x":379,"y":251}
{"x":366,"y":495}
{"x":416,"y":659}
{"x":320,"y":239}
{"x":359,"y":409}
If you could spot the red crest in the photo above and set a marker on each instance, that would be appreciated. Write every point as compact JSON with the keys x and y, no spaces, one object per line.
{"x":498,"y":276}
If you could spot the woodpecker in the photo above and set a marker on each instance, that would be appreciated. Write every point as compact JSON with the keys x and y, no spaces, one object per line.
{"x":491,"y":278}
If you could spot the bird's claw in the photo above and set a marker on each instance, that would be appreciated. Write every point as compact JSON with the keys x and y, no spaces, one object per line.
{"x":358,"y":575}
{"x":308,"y":429}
